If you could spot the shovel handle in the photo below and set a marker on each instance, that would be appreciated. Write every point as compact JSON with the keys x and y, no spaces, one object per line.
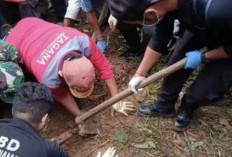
{"x":151,"y":79}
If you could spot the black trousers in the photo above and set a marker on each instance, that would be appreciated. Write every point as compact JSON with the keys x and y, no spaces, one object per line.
{"x":211,"y":84}
{"x":130,"y":33}
{"x":13,"y":12}
{"x":60,"y":7}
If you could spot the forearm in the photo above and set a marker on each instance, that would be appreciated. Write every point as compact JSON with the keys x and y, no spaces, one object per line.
{"x":94,"y":24}
{"x":216,"y":54}
{"x":111,"y":84}
{"x":68,"y":22}
{"x":150,"y":58}
{"x":69,"y":103}
{"x":71,"y":13}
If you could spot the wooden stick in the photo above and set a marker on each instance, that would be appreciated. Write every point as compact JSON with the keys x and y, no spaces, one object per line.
{"x":151,"y":79}
{"x":101,"y":18}
{"x":64,"y":136}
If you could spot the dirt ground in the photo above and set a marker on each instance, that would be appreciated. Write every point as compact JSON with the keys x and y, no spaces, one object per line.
{"x":209,"y":135}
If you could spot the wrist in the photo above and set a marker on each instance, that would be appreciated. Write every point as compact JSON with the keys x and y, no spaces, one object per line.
{"x":99,"y":36}
{"x":204,"y":60}
{"x":141,"y":74}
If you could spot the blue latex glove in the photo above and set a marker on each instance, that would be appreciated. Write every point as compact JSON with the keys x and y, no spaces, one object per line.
{"x":193,"y":59}
{"x":102,"y":46}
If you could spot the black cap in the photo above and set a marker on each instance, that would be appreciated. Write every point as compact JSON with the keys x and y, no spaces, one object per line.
{"x":129,"y":10}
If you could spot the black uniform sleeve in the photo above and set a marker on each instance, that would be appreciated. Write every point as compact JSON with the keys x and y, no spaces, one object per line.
{"x":218,"y":18}
{"x":162,"y":34}
{"x":228,"y":49}
{"x":56,"y":151}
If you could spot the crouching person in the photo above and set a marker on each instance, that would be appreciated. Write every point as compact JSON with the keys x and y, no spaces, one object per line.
{"x":63,"y":58}
{"x":20,"y":135}
{"x":11,"y":76}
{"x":11,"y":73}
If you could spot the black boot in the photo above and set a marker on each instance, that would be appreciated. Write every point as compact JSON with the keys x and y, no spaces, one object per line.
{"x":155,"y":111}
{"x":182,"y":120}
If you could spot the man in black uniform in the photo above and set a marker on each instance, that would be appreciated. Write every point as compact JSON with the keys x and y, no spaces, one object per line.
{"x":205,"y":23}
{"x":19,"y":136}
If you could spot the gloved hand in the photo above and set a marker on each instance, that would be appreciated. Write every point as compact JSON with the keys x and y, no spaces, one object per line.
{"x":110,"y":152}
{"x":112,"y":21}
{"x":193,"y":59}
{"x":135,"y":81}
{"x":102,"y":46}
{"x":122,"y":107}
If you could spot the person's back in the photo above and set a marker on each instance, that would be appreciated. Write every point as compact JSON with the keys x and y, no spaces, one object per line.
{"x":40,"y":40}
{"x":20,"y":136}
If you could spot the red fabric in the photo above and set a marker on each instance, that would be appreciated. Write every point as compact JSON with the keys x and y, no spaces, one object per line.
{"x":39,"y":41}
{"x":33,"y":37}
{"x":60,"y":93}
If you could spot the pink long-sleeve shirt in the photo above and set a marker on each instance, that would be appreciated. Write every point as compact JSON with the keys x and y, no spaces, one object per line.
{"x":43,"y":45}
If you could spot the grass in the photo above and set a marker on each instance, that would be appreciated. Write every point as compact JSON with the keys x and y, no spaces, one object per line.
{"x":209,"y":134}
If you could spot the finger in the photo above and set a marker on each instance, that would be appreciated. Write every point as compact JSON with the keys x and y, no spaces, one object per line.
{"x":123,"y":112}
{"x":127,"y":102}
{"x":111,"y":151}
{"x":111,"y":25}
{"x":99,"y":154}
{"x":129,"y":105}
{"x":112,"y":112}
{"x":133,"y":89}
{"x":140,"y":90}
{"x":129,"y":109}
{"x":114,"y":27}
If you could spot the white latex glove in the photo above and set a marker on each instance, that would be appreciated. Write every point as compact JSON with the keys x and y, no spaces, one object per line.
{"x":176,"y":28}
{"x":110,"y":152}
{"x":122,"y":107}
{"x":112,"y":22}
{"x":135,"y":81}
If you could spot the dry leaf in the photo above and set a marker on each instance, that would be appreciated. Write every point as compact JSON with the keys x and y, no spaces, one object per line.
{"x":225,"y":123}
{"x":141,"y":96}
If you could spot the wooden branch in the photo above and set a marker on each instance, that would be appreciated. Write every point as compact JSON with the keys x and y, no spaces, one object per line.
{"x":64,"y":136}
{"x":151,"y":79}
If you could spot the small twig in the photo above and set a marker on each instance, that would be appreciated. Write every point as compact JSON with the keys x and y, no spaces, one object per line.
{"x":187,"y":140}
{"x":97,"y":148}
{"x":191,"y":134}
{"x":131,"y":153}
{"x":178,"y":147}
{"x":120,"y":121}
{"x":205,"y":152}
{"x":64,"y":136}
{"x":150,"y":154}
{"x":219,"y":153}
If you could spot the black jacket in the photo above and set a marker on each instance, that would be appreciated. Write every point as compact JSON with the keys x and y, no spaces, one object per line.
{"x":213,"y":18}
{"x":19,"y":139}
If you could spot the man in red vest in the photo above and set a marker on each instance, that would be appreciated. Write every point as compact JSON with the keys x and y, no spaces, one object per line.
{"x":64,"y":59}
